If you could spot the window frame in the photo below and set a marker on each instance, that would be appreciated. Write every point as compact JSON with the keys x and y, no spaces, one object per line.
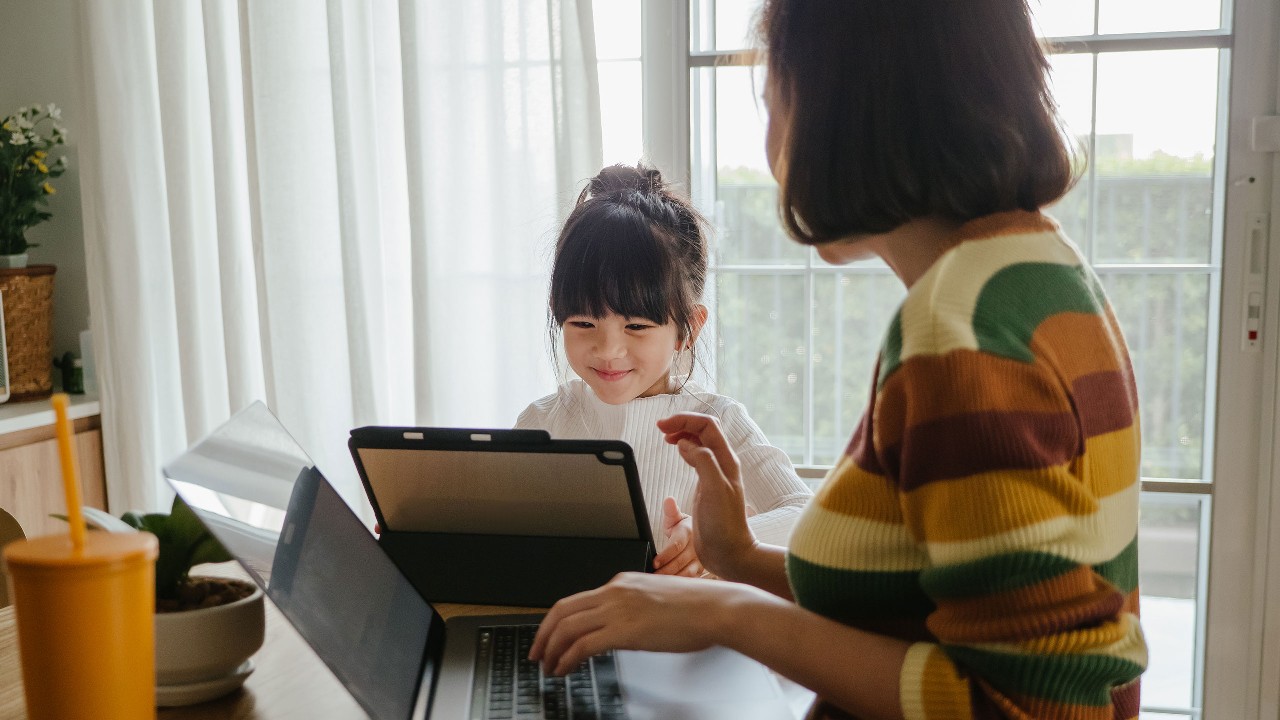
{"x":1239,"y":598}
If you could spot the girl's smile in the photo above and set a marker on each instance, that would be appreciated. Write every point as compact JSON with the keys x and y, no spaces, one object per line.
{"x":610,"y":375}
{"x":621,"y":358}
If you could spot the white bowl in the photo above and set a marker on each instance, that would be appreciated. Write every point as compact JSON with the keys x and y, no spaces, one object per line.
{"x":194,"y":646}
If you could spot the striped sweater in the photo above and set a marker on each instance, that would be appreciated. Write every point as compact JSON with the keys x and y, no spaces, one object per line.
{"x":986,"y":509}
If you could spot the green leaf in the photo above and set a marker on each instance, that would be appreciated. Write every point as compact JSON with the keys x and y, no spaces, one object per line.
{"x":133,"y":520}
{"x":185,"y":525}
{"x":209,"y":551}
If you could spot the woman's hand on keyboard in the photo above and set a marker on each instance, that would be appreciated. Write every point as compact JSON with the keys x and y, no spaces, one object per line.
{"x":639,"y":611}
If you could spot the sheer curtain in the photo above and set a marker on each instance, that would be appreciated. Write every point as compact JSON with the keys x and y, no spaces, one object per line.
{"x":345,"y":209}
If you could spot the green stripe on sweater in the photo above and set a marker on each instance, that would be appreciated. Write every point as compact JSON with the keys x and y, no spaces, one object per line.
{"x":854,"y":596}
{"x":1068,"y":679}
{"x":1017,"y":299}
{"x":890,"y":350}
{"x":1122,"y":570}
{"x":998,"y":573}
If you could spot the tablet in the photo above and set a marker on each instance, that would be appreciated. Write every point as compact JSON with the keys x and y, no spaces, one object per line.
{"x":499,"y":482}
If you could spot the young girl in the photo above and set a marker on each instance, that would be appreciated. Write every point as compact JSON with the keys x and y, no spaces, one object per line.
{"x":628,"y":275}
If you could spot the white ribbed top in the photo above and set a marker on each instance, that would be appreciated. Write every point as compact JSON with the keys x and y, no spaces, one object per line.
{"x":775,"y":494}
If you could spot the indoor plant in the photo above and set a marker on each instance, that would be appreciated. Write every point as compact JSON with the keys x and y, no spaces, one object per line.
{"x":27,"y":139}
{"x":206,"y":627}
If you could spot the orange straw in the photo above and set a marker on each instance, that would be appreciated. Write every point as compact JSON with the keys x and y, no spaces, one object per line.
{"x":70,"y":472}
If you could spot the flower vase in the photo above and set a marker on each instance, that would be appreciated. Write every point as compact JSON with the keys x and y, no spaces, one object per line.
{"x":10,"y":262}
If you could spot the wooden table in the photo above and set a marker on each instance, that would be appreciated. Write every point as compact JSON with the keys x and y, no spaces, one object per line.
{"x":288,"y":681}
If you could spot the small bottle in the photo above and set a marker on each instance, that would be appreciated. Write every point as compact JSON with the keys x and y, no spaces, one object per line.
{"x":86,"y":357}
{"x":4,"y":357}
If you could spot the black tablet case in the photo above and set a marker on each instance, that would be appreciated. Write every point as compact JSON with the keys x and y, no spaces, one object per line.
{"x":497,"y":568}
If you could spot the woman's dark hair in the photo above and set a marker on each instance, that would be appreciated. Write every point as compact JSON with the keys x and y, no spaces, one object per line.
{"x":630,"y":247}
{"x":901,"y":109}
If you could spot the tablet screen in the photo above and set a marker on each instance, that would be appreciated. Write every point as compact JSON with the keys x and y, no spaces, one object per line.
{"x":555,"y":494}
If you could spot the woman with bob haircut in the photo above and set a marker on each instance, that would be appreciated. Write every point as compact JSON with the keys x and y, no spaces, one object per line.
{"x":973,"y":553}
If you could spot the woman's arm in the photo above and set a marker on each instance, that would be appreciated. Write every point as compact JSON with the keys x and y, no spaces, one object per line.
{"x":856,"y":670}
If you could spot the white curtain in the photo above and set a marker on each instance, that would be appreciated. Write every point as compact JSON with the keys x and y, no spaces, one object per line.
{"x":343,"y":208}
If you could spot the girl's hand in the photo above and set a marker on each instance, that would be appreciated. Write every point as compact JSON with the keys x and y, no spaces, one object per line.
{"x":721,"y":536}
{"x":636,"y":611}
{"x":678,"y":557}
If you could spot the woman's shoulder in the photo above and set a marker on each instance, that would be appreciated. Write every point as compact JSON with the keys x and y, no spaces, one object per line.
{"x":1007,"y":277}
{"x":993,"y":247}
{"x":1004,"y":269}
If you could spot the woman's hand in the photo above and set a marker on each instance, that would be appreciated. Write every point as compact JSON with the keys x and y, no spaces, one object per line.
{"x":636,"y":611}
{"x":678,"y":557}
{"x":721,"y":536}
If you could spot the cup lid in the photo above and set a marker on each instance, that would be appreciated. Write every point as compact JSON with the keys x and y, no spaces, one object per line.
{"x":100,"y":548}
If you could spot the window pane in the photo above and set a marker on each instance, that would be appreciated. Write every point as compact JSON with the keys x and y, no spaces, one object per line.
{"x":1154,"y":156}
{"x":1169,"y":550}
{"x":617,"y":26}
{"x":746,"y":194}
{"x":851,"y":313}
{"x":1133,"y":16}
{"x":1063,"y":18}
{"x":723,"y":24}
{"x":1072,"y":81}
{"x":1165,"y":319}
{"x":621,"y":122}
{"x":761,"y":352}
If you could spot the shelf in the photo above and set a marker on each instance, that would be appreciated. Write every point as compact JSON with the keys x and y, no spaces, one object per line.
{"x":15,"y":417}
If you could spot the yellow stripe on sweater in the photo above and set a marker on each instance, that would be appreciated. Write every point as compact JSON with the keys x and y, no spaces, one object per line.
{"x":946,"y":695}
{"x":1045,"y":493}
{"x":977,"y":506}
{"x":850,"y":490}
{"x":1120,"y":638}
{"x":844,"y":542}
{"x":1088,"y":539}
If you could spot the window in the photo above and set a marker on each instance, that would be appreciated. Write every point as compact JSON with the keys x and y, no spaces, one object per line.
{"x":1143,"y":86}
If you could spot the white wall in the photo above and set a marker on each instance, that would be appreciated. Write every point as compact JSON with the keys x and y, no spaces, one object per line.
{"x":37,"y":56}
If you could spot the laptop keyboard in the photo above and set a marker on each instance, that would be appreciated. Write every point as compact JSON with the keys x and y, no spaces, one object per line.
{"x":509,"y":685}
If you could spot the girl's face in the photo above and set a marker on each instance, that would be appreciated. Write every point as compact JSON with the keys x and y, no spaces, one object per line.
{"x":621,"y":358}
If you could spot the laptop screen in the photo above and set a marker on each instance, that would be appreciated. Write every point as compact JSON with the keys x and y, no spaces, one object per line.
{"x":263,"y":498}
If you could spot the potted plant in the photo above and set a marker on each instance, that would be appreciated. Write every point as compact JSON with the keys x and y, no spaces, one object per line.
{"x":207,"y":627}
{"x":27,"y":139}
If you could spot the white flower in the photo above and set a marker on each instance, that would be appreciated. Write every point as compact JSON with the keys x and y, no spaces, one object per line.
{"x":55,"y":112}
{"x":23,"y":110}
{"x":24,"y":123}
{"x":17,"y":139}
{"x":62,"y":159}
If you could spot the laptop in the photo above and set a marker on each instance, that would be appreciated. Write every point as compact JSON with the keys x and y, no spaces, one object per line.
{"x":546,"y":518}
{"x":257,"y":491}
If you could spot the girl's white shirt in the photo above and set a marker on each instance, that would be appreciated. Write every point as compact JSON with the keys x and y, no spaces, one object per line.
{"x":775,"y":494}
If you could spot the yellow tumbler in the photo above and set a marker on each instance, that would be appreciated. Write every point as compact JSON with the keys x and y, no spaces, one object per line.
{"x":86,"y":627}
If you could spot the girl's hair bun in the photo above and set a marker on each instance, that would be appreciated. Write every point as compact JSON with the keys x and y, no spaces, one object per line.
{"x":617,"y":179}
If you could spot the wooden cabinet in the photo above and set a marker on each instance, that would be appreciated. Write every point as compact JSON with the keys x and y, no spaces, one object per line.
{"x":31,"y":474}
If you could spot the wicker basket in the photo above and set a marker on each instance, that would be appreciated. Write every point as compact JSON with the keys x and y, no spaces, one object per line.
{"x":27,"y":295}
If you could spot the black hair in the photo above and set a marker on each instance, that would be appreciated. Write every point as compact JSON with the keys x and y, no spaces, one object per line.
{"x":902,"y":109}
{"x":630,"y":247}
